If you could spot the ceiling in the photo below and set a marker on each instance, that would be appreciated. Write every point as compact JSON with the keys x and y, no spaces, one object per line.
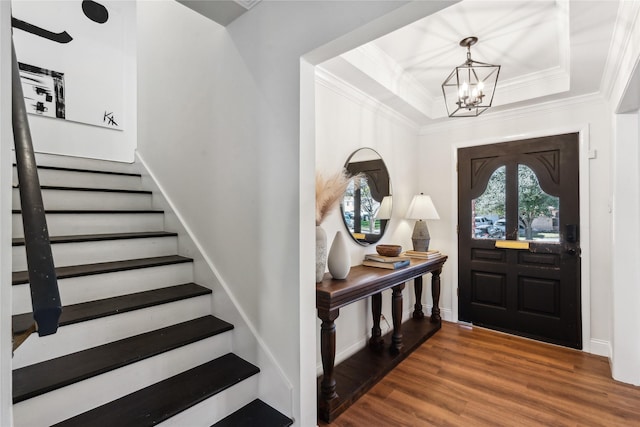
{"x":221,"y":11}
{"x":547,"y":50}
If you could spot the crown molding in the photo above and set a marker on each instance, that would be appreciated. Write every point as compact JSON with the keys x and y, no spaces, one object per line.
{"x":551,"y":81}
{"x":355,"y":95}
{"x":247,"y":4}
{"x":384,"y":70}
{"x":564,"y":36}
{"x":513,"y":114}
{"x":626,"y":21}
{"x":400,"y":74}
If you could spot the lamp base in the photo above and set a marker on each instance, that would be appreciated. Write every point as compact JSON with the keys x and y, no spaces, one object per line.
{"x":420,"y":236}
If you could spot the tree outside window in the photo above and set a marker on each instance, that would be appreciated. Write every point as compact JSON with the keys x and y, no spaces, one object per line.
{"x":533,"y":202}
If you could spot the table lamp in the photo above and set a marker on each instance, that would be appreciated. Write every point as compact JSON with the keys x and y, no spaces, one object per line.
{"x":421,"y":208}
{"x":384,"y":212}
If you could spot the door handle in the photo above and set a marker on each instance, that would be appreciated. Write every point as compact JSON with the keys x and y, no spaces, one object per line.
{"x":572,"y":251}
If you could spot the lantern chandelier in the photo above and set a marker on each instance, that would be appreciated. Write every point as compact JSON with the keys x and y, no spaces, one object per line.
{"x":469,"y":89}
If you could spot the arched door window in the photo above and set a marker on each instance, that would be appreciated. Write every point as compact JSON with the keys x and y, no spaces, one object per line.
{"x":488,"y":210}
{"x":538,"y":212}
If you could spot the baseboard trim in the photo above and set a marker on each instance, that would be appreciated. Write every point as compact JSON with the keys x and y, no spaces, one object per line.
{"x":600,"y":348}
{"x":263,"y":347}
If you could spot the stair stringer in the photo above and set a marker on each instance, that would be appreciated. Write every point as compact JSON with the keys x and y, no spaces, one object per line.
{"x":274,"y":387}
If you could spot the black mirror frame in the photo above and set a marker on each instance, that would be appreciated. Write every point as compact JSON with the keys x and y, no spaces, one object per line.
{"x":377,"y":174}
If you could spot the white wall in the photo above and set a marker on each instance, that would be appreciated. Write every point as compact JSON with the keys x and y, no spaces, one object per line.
{"x":346,"y":122}
{"x":626,"y":252}
{"x":589,"y":115}
{"x":57,"y":136}
{"x":6,"y":144}
{"x":623,"y":95}
{"x":227,"y":149}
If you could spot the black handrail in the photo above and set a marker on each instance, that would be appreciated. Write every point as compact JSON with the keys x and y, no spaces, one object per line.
{"x":45,"y":297}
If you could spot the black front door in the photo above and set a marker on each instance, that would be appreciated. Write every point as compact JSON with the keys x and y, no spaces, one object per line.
{"x":519,"y":251}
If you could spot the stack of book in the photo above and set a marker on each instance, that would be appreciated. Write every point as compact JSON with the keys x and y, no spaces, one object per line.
{"x":423,"y":255}
{"x":389,"y":262}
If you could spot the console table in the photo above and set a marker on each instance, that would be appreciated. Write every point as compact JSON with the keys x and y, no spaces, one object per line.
{"x":363,"y":282}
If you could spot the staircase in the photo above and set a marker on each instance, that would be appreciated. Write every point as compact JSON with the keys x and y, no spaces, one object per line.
{"x":137,"y":343}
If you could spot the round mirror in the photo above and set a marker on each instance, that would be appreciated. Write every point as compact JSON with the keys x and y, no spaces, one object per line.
{"x":366,"y":205}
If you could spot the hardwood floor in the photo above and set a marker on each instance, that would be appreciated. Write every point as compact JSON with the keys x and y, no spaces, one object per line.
{"x":465,"y":376}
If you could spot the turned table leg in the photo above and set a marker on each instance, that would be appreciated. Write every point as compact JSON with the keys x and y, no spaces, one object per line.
{"x":328,"y":351}
{"x":417,"y":308}
{"x":376,"y":342}
{"x":435,"y":292}
{"x":396,"y":313}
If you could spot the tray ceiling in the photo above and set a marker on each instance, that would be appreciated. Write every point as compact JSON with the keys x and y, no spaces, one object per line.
{"x":547,"y":49}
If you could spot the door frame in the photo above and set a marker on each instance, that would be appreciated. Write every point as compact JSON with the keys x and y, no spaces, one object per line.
{"x":585,"y":154}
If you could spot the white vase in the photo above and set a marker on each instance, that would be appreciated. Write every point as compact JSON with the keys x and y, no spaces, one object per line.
{"x":321,"y":252}
{"x":339,"y":260}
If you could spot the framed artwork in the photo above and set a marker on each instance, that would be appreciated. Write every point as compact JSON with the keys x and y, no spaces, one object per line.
{"x":70,"y":56}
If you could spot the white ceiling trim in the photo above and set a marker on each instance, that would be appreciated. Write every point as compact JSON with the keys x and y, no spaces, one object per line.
{"x":512,"y":114}
{"x":385,"y":71}
{"x":531,"y":86}
{"x":355,"y":95}
{"x":247,"y":4}
{"x":626,"y":20}
{"x":564,"y":35}
{"x":380,"y":67}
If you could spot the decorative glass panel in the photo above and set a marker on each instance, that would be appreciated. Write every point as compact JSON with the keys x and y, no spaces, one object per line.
{"x":538,"y":212}
{"x":488,"y":210}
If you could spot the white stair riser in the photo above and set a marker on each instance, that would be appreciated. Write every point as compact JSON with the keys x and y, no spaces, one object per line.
{"x":75,"y":290}
{"x":81,"y":336}
{"x":217,"y":407}
{"x":65,"y":254}
{"x":73,"y":224}
{"x":55,"y":406}
{"x":62,"y":178}
{"x":89,"y":200}
{"x":43,"y":159}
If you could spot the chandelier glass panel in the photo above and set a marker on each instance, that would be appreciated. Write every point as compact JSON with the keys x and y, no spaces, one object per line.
{"x":469,"y":89}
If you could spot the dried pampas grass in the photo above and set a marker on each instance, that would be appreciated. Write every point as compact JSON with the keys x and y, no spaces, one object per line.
{"x":329,"y":192}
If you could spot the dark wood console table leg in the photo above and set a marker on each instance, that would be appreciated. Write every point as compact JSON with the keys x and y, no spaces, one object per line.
{"x":417,"y":308}
{"x":396,"y":313}
{"x":435,"y":292}
{"x":328,"y":395}
{"x":376,"y":342}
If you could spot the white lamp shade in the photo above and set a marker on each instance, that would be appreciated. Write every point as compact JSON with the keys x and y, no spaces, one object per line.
{"x":422,"y":207}
{"x":384,"y":212}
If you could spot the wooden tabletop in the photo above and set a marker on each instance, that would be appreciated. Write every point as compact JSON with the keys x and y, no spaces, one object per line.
{"x":363,"y":282}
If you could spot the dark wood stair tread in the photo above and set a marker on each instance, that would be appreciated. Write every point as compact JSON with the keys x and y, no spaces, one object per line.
{"x":81,"y":312}
{"x":100,"y":190}
{"x":19,"y":241}
{"x":158,"y":402}
{"x":65,"y":169}
{"x":95,"y":211}
{"x":21,"y":277}
{"x":255,"y":414}
{"x":43,"y":377}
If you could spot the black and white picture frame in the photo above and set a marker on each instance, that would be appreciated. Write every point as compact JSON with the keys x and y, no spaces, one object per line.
{"x":71,"y":59}
{"x":43,"y":90}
